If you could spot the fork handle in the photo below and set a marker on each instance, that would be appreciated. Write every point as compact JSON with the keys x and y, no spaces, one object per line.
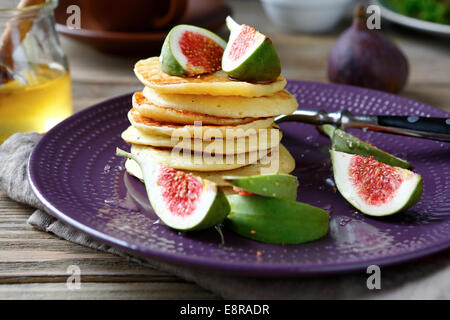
{"x":431,"y":128}
{"x":435,"y":125}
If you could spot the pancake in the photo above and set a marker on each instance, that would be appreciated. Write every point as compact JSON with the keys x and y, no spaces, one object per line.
{"x":151,"y":127}
{"x":166,"y":114}
{"x":286,"y":165}
{"x":264,"y":139}
{"x":281,"y":102}
{"x":196,"y":161}
{"x":149,"y":72}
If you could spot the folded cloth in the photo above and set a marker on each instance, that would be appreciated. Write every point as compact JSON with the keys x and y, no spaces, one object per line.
{"x":426,"y":279}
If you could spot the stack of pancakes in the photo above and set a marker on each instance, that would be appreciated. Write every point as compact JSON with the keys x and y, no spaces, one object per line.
{"x":209,"y":125}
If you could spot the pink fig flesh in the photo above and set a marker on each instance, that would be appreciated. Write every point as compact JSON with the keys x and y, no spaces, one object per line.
{"x":375,"y":182}
{"x":180,"y":190}
{"x":202,"y":53}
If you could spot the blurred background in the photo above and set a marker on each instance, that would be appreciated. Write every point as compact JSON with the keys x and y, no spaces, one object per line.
{"x":102,"y":51}
{"x":303,"y":53}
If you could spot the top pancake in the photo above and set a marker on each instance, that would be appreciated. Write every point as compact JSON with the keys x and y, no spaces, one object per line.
{"x":149,"y":72}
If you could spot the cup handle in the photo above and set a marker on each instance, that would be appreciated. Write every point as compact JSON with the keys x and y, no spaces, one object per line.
{"x":176,"y":9}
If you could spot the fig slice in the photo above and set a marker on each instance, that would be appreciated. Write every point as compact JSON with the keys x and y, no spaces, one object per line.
{"x":250,"y":55}
{"x":345,"y":142}
{"x":181,"y":200}
{"x":276,"y":221}
{"x":373,"y":187}
{"x":282,"y":186}
{"x":190,"y":51}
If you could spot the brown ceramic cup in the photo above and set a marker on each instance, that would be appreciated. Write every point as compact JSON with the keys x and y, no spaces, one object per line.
{"x":128,"y":16}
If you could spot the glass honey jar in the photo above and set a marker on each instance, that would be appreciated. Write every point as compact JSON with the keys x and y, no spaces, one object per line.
{"x":35,"y":86}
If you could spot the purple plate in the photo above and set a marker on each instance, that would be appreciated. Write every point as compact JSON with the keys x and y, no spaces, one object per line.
{"x":75,"y":173}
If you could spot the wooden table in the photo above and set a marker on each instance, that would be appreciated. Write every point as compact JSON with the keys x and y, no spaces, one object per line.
{"x":33,"y":264}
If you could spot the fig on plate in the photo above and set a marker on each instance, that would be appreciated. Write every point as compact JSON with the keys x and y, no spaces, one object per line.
{"x":366,"y":58}
{"x":275,"y":220}
{"x":250,"y":55}
{"x":181,"y":200}
{"x":190,"y":51}
{"x":373,"y":187}
{"x":345,"y":142}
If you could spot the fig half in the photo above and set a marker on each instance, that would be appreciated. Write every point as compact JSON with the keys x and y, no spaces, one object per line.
{"x":181,"y":200}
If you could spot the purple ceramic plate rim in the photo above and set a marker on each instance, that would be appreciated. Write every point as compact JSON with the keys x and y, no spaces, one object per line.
{"x":244,"y":269}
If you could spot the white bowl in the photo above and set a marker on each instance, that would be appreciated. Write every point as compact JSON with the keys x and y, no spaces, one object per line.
{"x":309,"y":16}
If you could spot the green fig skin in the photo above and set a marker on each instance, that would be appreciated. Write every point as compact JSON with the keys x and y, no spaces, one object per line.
{"x":261,"y":66}
{"x":415,"y":197}
{"x":327,"y":129}
{"x":216,"y":213}
{"x":281,"y":186}
{"x":167,"y":60}
{"x":276,"y":221}
{"x":345,"y":142}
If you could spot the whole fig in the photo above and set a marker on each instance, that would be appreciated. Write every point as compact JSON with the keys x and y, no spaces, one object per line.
{"x":365,"y":58}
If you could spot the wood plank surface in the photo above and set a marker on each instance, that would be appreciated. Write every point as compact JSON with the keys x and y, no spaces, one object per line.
{"x":33,"y":264}
{"x":111,"y":290}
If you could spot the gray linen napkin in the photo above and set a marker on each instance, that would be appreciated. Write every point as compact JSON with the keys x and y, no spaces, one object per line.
{"x":426,"y":279}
